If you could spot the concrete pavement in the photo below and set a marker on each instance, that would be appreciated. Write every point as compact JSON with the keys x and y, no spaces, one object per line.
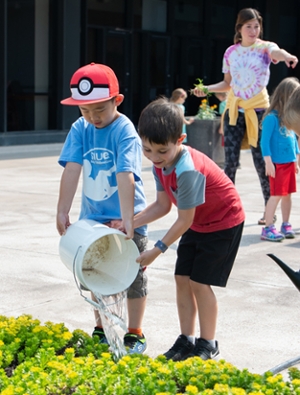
{"x":258,"y":324}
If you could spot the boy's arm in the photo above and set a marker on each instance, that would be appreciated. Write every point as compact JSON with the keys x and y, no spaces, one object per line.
{"x":126,"y":188}
{"x":68,"y":187}
{"x":181,"y":225}
{"x":154,"y":211}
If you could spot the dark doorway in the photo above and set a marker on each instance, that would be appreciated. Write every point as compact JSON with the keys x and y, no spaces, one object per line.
{"x":156,"y":77}
{"x":113,"y":48}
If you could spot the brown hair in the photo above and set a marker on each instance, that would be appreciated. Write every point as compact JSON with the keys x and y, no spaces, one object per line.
{"x":281,"y":95}
{"x":161,"y":122}
{"x":244,"y":16}
{"x":291,"y":116}
{"x":177,"y":93}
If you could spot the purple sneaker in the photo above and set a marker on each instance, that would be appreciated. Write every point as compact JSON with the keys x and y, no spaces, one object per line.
{"x":287,"y":231}
{"x":270,"y":233}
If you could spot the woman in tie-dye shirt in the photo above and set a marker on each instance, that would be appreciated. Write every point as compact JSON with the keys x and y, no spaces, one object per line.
{"x":246,"y":68}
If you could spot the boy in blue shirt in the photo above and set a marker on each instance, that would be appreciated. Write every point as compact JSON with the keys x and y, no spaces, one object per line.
{"x":104,"y":144}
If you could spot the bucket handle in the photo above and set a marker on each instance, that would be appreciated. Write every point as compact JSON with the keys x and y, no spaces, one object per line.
{"x":75,"y":278}
{"x":95,"y":304}
{"x":77,"y":283}
{"x":99,"y":303}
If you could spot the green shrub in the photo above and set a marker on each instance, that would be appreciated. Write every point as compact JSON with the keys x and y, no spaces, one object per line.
{"x":47,"y":359}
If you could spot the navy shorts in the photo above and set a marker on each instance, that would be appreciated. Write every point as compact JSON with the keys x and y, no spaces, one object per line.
{"x":207,"y":258}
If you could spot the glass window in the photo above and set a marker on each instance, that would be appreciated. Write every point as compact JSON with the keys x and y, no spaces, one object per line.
{"x":288,"y":30}
{"x":158,"y":51}
{"x":27,"y":64}
{"x":223,"y":19}
{"x":281,"y":25}
{"x":188,"y":15}
{"x":94,"y":45}
{"x":106,"y":13}
{"x":137,"y":14}
{"x":154,"y":15}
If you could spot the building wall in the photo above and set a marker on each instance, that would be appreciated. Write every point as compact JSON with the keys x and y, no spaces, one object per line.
{"x":154,"y":46}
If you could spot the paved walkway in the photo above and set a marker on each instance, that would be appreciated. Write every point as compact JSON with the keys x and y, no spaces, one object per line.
{"x":258,"y":324}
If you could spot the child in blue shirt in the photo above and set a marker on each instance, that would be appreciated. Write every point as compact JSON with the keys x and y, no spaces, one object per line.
{"x":178,"y":97}
{"x":280,"y":151}
{"x":105,"y":146}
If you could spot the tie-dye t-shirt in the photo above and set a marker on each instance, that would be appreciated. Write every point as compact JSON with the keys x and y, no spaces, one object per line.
{"x":249,"y":67}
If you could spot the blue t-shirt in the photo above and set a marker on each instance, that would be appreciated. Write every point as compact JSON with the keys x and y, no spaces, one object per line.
{"x":103,"y":153}
{"x":278,"y":142}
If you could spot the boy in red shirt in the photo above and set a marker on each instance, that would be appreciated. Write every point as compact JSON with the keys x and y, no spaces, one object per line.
{"x":210,"y":223}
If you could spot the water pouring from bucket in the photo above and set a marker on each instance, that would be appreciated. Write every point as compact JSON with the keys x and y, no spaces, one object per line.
{"x":102,"y":260}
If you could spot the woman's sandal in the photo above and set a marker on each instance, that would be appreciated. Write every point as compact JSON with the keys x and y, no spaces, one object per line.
{"x":262,"y":221}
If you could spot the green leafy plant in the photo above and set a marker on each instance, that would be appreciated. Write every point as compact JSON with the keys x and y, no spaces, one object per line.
{"x":201,"y":87}
{"x":57,"y":362}
{"x":205,"y":110}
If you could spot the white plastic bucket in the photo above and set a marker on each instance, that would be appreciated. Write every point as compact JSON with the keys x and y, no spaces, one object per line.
{"x":100,"y":257}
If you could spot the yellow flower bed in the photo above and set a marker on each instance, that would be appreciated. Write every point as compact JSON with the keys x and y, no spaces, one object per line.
{"x":47,"y":359}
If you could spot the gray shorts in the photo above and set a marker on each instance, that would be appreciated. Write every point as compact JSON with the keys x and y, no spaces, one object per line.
{"x":138,"y":289}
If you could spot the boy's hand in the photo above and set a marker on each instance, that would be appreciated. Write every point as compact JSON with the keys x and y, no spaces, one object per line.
{"x":128,"y":228}
{"x":62,"y":223}
{"x":124,"y":227}
{"x":147,"y":257}
{"x":115,"y":224}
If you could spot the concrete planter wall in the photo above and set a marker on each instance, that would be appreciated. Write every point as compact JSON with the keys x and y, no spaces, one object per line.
{"x":203,"y":135}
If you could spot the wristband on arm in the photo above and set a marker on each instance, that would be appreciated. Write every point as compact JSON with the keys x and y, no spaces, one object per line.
{"x":161,"y":246}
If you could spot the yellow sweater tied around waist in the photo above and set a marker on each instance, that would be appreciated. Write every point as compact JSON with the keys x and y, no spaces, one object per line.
{"x":261,"y":100}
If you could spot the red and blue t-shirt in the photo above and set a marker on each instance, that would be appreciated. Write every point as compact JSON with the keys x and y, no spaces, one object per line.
{"x":196,"y":181}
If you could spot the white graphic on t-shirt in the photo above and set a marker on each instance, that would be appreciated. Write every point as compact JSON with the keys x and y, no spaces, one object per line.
{"x":97,"y":188}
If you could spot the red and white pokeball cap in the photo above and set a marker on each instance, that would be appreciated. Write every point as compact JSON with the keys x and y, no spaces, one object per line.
{"x":92,"y":83}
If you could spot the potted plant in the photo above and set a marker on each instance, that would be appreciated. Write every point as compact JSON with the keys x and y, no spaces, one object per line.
{"x":203,"y":134}
{"x":206,"y":111}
